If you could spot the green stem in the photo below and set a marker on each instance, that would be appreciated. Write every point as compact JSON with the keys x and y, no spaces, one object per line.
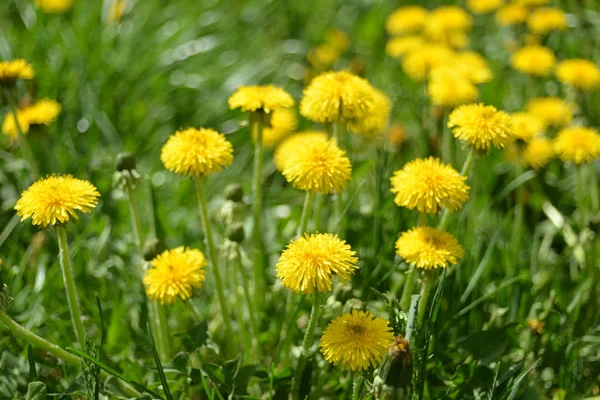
{"x":464,"y":172}
{"x":259,"y":268}
{"x":409,"y":286}
{"x":425,"y":291}
{"x":213,"y":256}
{"x":517,"y":234}
{"x":318,"y":212}
{"x":446,"y":139}
{"x":246,"y":344}
{"x":135,"y":216}
{"x":339,"y":197}
{"x":251,"y":310}
{"x":580,"y":195}
{"x":306,"y":209}
{"x":67,"y":272}
{"x":594,"y":190}
{"x":24,"y":143}
{"x":379,"y":193}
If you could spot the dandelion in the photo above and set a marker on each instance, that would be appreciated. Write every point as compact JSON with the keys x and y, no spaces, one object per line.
{"x":196,"y":152}
{"x":356,"y":340}
{"x":483,"y":6}
{"x":408,"y":19}
{"x":283,"y":122}
{"x":290,"y":146}
{"x":481,"y":126}
{"x":42,"y":112}
{"x":323,"y":56}
{"x":397,"y":135}
{"x":54,"y":6}
{"x":319,"y":167}
{"x":526,"y":125}
{"x":264,"y":99}
{"x":450,"y":18}
{"x":10,"y":71}
{"x":428,"y":248}
{"x":534,"y":60}
{"x":418,"y":64}
{"x":538,"y":152}
{"x":116,"y":11}
{"x":552,"y":110}
{"x":399,"y":47}
{"x":337,"y":39}
{"x":175,"y":273}
{"x":374,"y":123}
{"x":580,"y":73}
{"x":310,"y":262}
{"x":532,"y":3}
{"x":545,"y":20}
{"x":578,"y":144}
{"x":428,"y":185}
{"x":449,"y":88}
{"x":512,"y":14}
{"x":9,"y":127}
{"x":473,"y":66}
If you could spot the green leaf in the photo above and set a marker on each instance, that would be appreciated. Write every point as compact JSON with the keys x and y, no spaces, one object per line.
{"x":487,"y":345}
{"x":161,"y":373}
{"x":36,"y":391}
{"x":33,"y":376}
{"x":517,"y":382}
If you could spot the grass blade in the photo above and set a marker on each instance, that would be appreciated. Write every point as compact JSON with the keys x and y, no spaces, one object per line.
{"x":161,"y":373}
{"x":33,"y":376}
{"x":102,"y":333}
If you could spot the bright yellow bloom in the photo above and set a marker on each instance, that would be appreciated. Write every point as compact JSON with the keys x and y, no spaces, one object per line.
{"x":449,"y":88}
{"x":310,"y":262}
{"x":283,"y":122}
{"x":552,"y":110}
{"x":9,"y":128}
{"x":356,"y":340}
{"x":10,"y":71}
{"x":116,"y":11}
{"x":534,"y":60}
{"x":512,"y":14}
{"x":426,"y":247}
{"x":397,"y":135}
{"x":175,"y":273}
{"x":428,"y":185}
{"x":319,"y":167}
{"x":289,"y":147}
{"x":526,"y":126}
{"x":473,"y":66}
{"x":450,"y":18}
{"x":578,"y":144}
{"x":323,"y":56}
{"x":532,"y":3}
{"x":260,"y":98}
{"x":337,"y":39}
{"x":418,"y":64}
{"x":408,"y":19}
{"x":398,"y":47}
{"x":374,"y":123}
{"x":42,"y":112}
{"x":483,"y":6}
{"x":538,"y":152}
{"x":196,"y":152}
{"x":54,"y":6}
{"x":54,"y":200}
{"x":546,"y":20}
{"x":481,"y":126}
{"x":580,"y":73}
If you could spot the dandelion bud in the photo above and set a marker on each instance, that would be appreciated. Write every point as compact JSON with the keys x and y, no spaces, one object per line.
{"x":234,"y":192}
{"x":152,"y":248}
{"x":235,"y":232}
{"x":126,"y":162}
{"x":395,"y":372}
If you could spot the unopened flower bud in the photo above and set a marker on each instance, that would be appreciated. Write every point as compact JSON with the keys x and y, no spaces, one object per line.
{"x":235,"y":232}
{"x":234,"y":192}
{"x":152,"y":248}
{"x":126,"y":162}
{"x":396,"y":371}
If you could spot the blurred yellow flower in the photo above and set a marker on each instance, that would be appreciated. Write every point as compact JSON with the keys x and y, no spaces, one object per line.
{"x":481,"y":126}
{"x":398,"y":47}
{"x":532,"y":3}
{"x":323,"y":56}
{"x":426,"y":247}
{"x":428,"y":185}
{"x":580,"y":73}
{"x":175,"y":273}
{"x":545,"y":20}
{"x":55,"y":199}
{"x":260,"y":99}
{"x":290,"y":146}
{"x":283,"y":122}
{"x":356,"y":340}
{"x":447,"y":25}
{"x":12,"y":70}
{"x":42,"y":112}
{"x":407,"y":19}
{"x":526,"y":125}
{"x":375,"y":122}
{"x":534,"y":60}
{"x":196,"y":152}
{"x":420,"y":62}
{"x":397,"y":135}
{"x":337,"y":39}
{"x":512,"y":14}
{"x":9,"y":128}
{"x":473,"y":65}
{"x":538,"y":152}
{"x":483,"y":6}
{"x":577,"y":144}
{"x":449,"y":88}
{"x":319,"y":167}
{"x":552,"y":110}
{"x":310,"y":262}
{"x":54,"y":6}
{"x":116,"y":11}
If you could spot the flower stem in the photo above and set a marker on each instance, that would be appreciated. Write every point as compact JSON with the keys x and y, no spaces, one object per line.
{"x":425,"y":291}
{"x":67,"y":273}
{"x":246,"y":340}
{"x":517,"y":234}
{"x":446,"y":139}
{"x":259,"y":268}
{"x":251,"y":313}
{"x":135,"y":216}
{"x":580,"y":195}
{"x":464,"y":172}
{"x":24,"y":143}
{"x":409,"y":286}
{"x":339,"y":196}
{"x":306,"y":209}
{"x":212,"y":252}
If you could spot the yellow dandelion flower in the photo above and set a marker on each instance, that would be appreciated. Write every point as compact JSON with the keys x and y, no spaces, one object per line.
{"x":356,"y":340}
{"x":426,"y":247}
{"x":408,"y":19}
{"x":175,"y":273}
{"x":512,"y":14}
{"x":552,"y":110}
{"x":538,"y":152}
{"x":580,"y":73}
{"x":545,"y":20}
{"x":319,"y":167}
{"x":532,"y":3}
{"x":310,"y":262}
{"x":397,"y":135}
{"x":260,"y":98}
{"x":10,"y":71}
{"x":450,"y":18}
{"x":9,"y":127}
{"x":481,"y":126}
{"x":42,"y":112}
{"x":54,"y":6}
{"x":418,"y":64}
{"x":398,"y":47}
{"x":449,"y":88}
{"x":473,"y":66}
{"x":196,"y":152}
{"x":483,"y":6}
{"x":337,"y":39}
{"x":428,"y":185}
{"x":55,"y":199}
{"x":375,"y":122}
{"x":534,"y":60}
{"x":116,"y":11}
{"x":577,"y":144}
{"x":283,"y":122}
{"x":526,"y":125}
{"x":290,"y":146}
{"x":323,"y":56}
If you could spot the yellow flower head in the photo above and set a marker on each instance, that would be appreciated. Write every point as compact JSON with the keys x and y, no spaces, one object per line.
{"x":42,"y":112}
{"x":426,"y":247}
{"x":418,"y":64}
{"x":449,"y":88}
{"x":399,"y":47}
{"x":54,"y":6}
{"x":175,"y":273}
{"x":260,"y":98}
{"x":580,"y":73}
{"x":428,"y":185}
{"x":526,"y":125}
{"x":481,"y":126}
{"x":546,"y":20}
{"x":534,"y":60}
{"x":54,"y":199}
{"x":375,"y":122}
{"x":10,"y":71}
{"x":483,"y":6}
{"x":408,"y":19}
{"x":450,"y":18}
{"x":337,"y":39}
{"x":290,"y":146}
{"x":578,"y":144}
{"x":512,"y":14}
{"x":397,"y":135}
{"x":283,"y":122}
{"x":473,"y":66}
{"x":323,"y":56}
{"x":538,"y":152}
{"x":356,"y":340}
{"x":310,"y":262}
{"x":9,"y":128}
{"x":196,"y":152}
{"x":319,"y":167}
{"x":116,"y":11}
{"x":552,"y":110}
{"x":532,"y":3}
